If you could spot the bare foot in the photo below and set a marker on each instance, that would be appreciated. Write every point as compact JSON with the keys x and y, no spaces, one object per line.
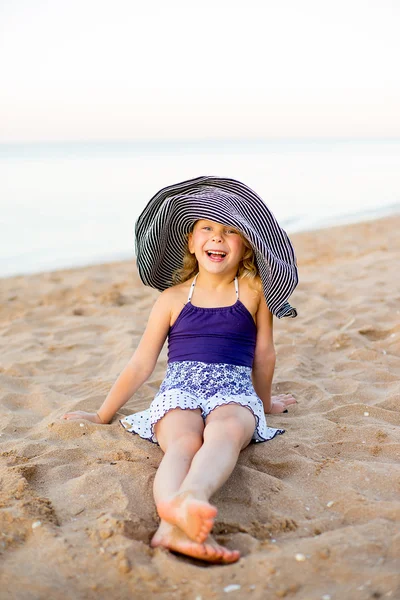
{"x":172,"y":538}
{"x":195,"y":517}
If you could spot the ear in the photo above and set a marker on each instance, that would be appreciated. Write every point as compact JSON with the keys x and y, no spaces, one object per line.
{"x":190,"y":243}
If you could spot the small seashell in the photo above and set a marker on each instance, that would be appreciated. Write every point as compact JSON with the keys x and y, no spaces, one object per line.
{"x":36,"y":524}
{"x":81,"y":425}
{"x":231,"y":588}
{"x":330,"y":503}
{"x":300,"y":557}
{"x":326,"y":597}
{"x":366,"y":414}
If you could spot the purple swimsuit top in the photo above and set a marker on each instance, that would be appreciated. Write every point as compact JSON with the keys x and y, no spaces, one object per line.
{"x":213,"y":335}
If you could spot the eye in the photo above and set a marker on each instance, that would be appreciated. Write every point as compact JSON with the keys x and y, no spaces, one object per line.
{"x":231,"y":231}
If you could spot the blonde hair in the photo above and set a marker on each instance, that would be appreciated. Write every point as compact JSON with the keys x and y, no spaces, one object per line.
{"x":190,"y":267}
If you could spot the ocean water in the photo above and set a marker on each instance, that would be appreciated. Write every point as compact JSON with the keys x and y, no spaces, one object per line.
{"x":75,"y":204}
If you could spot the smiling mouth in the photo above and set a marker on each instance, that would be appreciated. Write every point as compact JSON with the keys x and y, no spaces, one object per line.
{"x":216,"y":256}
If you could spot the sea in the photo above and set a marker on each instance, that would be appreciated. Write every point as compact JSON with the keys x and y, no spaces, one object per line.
{"x":71,"y":204}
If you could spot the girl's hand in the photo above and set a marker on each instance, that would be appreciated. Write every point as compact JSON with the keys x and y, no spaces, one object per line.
{"x":280,"y":403}
{"x":80,"y":414}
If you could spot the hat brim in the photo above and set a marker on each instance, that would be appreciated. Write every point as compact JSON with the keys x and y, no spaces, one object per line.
{"x":162,"y":227}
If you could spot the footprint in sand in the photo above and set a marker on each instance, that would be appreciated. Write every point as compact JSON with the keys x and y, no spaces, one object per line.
{"x":374,"y":334}
{"x":359,"y":412}
{"x":23,"y":509}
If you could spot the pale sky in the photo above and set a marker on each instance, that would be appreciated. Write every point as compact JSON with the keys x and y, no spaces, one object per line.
{"x":127,"y":69}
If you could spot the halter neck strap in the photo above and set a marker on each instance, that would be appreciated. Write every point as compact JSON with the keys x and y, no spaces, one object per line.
{"x":194,"y":283}
{"x":192,"y":288}
{"x":237,"y":288}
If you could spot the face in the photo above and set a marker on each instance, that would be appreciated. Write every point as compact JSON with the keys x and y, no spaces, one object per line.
{"x":218,"y":248}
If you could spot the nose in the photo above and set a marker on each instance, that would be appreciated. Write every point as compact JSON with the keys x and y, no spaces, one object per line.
{"x":217,"y":237}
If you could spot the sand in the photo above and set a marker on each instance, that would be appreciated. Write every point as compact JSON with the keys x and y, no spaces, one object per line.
{"x":315,"y":512}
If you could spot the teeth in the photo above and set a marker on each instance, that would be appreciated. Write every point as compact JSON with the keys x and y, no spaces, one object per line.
{"x":220,"y":253}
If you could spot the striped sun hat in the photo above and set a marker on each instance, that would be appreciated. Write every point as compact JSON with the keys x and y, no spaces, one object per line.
{"x":161,"y":229}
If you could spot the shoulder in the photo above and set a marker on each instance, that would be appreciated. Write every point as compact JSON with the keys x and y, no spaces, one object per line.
{"x":251,"y":293}
{"x":264,"y":323}
{"x":251,"y":284}
{"x":173,"y":299}
{"x":176,"y":292}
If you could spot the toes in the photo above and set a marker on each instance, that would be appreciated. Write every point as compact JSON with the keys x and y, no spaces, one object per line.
{"x":230,"y":556}
{"x":201,"y":536}
{"x":211,"y":552}
{"x":215,"y":553}
{"x":224,"y":555}
{"x":195,"y":518}
{"x":205,"y":530}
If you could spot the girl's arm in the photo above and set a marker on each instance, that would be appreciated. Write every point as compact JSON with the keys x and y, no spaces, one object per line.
{"x":264,"y":357}
{"x":264,"y":363}
{"x":140,"y":366}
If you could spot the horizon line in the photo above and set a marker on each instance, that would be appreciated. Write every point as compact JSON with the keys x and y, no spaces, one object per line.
{"x":183,"y":140}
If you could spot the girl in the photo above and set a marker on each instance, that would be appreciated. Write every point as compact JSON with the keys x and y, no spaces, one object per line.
{"x":236,"y":267}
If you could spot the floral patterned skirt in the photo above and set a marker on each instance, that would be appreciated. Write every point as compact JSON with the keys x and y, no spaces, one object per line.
{"x":190,"y":385}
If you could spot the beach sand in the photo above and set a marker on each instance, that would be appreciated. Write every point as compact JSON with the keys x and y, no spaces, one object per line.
{"x":315,"y":512}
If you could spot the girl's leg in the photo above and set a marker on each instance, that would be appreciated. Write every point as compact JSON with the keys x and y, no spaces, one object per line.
{"x":228,"y":430}
{"x":180,"y":435}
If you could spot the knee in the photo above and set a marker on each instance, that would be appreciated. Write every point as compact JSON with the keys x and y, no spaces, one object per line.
{"x":232,"y":428}
{"x":188,"y":443}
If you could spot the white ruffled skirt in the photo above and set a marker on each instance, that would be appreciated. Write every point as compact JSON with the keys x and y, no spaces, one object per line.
{"x":190,"y":385}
